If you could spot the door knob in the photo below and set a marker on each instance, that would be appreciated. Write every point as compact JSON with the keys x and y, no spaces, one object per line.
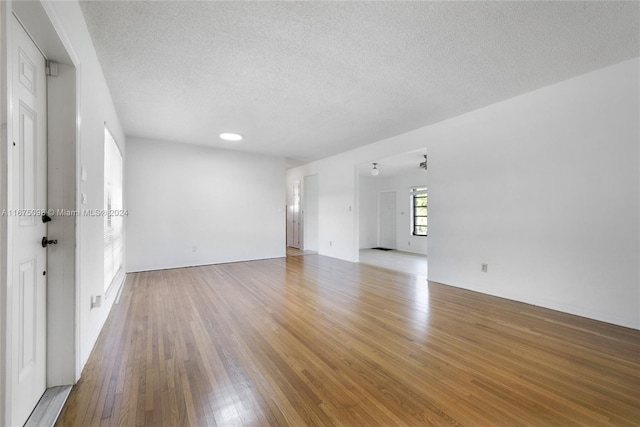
{"x":46,"y":242}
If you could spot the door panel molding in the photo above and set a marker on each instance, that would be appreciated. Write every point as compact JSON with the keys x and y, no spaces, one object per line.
{"x":27,"y":317}
{"x":28,"y":183}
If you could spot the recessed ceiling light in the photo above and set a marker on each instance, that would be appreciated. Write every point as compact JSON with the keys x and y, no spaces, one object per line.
{"x":231,"y":136}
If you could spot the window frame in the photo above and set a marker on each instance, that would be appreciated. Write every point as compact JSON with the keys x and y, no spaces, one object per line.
{"x":110,"y":239}
{"x":418,"y":193}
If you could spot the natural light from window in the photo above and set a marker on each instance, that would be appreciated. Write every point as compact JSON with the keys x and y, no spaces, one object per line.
{"x":419,"y":211}
{"x":113,"y":208}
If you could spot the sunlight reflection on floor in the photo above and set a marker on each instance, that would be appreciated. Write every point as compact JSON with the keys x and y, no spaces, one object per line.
{"x":406,"y":262}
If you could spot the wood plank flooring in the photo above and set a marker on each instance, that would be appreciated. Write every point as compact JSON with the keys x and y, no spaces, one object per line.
{"x":310,"y":340}
{"x":406,"y":262}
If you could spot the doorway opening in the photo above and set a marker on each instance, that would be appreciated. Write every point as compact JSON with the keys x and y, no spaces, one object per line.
{"x":303,"y":217}
{"x":294,"y":218}
{"x":391,"y":233}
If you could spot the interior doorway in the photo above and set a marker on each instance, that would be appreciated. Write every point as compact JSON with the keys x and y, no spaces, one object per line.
{"x":387,"y":214}
{"x":303,"y":217}
{"x":294,"y":218}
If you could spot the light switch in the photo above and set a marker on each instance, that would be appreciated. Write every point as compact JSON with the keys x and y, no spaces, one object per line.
{"x":83,"y":174}
{"x":84,"y":199}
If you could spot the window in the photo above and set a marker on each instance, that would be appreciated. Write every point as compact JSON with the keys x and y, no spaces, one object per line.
{"x":419,"y":211}
{"x":113,"y":209}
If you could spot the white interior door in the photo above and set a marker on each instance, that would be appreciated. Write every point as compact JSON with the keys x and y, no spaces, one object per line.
{"x":293,"y":218}
{"x":387,"y":219}
{"x":28,"y":201}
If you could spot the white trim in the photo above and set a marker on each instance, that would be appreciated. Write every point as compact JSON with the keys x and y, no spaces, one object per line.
{"x":48,"y":7}
{"x":413,"y":193}
{"x":5,"y":196}
{"x":108,"y":191}
{"x":3,"y":156}
{"x":415,"y":190}
{"x":58,"y":27}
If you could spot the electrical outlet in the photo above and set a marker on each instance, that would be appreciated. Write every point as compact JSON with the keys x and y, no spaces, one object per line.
{"x":485,"y":267}
{"x":330,"y":243}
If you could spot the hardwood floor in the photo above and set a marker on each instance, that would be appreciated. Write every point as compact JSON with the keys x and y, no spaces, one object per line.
{"x":310,"y":340}
{"x":294,"y":251}
{"x":406,"y":262}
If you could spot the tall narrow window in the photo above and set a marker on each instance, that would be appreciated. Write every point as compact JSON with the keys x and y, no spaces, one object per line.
{"x":113,"y":209}
{"x":419,"y":211}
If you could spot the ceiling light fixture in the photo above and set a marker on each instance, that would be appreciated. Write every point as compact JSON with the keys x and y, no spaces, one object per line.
{"x":375,"y":170}
{"x":231,"y":136}
{"x":423,"y":165}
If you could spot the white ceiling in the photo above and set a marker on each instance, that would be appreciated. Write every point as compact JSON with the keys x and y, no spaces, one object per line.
{"x":309,"y":79}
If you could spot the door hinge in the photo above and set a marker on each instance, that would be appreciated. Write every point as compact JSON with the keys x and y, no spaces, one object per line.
{"x":51,"y":68}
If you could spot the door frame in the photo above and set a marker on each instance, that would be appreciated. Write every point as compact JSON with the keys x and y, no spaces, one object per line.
{"x":290,"y":229}
{"x":312,"y":226}
{"x":45,"y":27}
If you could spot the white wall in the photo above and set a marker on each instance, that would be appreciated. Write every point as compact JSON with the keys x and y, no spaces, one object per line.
{"x":310,"y":212}
{"x":543,"y":187}
{"x":191,"y":205}
{"x":338,"y":211}
{"x":368,"y":188}
{"x":546,"y":194}
{"x":95,"y":109}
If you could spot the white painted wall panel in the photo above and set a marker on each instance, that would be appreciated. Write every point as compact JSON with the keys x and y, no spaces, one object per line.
{"x":310,"y":209}
{"x":191,"y":205}
{"x":368,"y":208}
{"x":95,"y":109}
{"x":543,"y":188}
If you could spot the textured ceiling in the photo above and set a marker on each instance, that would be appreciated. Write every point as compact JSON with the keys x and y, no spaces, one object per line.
{"x":306,"y":80}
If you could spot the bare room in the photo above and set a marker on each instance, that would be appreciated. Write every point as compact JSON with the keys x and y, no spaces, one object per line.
{"x":294,"y":213}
